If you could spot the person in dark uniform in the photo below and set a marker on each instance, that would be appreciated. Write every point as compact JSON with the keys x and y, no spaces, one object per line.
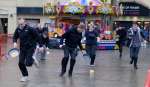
{"x":91,"y":43}
{"x":44,"y":40}
{"x":28,"y":38}
{"x":121,"y":38}
{"x":72,"y":39}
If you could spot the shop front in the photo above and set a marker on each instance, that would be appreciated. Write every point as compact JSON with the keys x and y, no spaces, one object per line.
{"x":131,"y":12}
{"x":64,"y":16}
{"x":7,"y":20}
{"x":32,"y":15}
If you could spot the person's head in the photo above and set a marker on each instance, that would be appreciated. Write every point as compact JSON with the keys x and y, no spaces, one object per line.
{"x":21,"y":23}
{"x":135,"y":25}
{"x":91,"y":22}
{"x":91,"y":27}
{"x":81,"y":27}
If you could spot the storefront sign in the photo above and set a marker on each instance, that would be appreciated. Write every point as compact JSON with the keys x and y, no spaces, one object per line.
{"x":49,"y":8}
{"x":30,"y":10}
{"x":133,"y":9}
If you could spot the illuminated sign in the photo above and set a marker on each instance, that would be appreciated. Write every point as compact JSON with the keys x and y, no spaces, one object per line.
{"x":72,"y":9}
{"x":133,"y":9}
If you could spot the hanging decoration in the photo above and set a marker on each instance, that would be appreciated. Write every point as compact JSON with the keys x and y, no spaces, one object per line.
{"x":90,"y":8}
{"x":104,"y":9}
{"x":74,"y":8}
{"x":49,"y":8}
{"x":58,"y":8}
{"x":77,"y":8}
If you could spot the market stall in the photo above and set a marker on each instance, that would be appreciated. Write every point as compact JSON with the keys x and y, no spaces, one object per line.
{"x":72,"y":13}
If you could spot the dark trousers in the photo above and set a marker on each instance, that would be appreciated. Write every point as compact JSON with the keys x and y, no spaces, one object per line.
{"x":134,"y":51}
{"x":72,"y":52}
{"x":91,"y":51}
{"x":25,"y":59}
{"x":120,"y":45}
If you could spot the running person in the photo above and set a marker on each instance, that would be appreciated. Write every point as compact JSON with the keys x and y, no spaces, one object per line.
{"x":28,"y":39}
{"x":44,"y":40}
{"x":135,"y":35}
{"x":91,"y":43}
{"x":121,"y":38}
{"x":72,"y":40}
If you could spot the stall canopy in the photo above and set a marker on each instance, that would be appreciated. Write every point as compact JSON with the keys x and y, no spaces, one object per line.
{"x":86,"y":7}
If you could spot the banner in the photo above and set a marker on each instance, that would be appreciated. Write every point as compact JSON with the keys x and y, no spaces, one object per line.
{"x":77,"y":8}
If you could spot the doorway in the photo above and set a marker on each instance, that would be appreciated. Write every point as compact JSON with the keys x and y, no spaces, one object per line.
{"x":3,"y":25}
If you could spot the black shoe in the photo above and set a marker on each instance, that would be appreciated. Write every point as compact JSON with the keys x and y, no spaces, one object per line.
{"x":70,"y":74}
{"x":131,"y":62}
{"x":120,"y":55}
{"x":135,"y":67}
{"x":92,"y":60}
{"x":62,"y":74}
{"x":135,"y":63}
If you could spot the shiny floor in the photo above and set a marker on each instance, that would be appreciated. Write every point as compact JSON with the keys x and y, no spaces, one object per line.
{"x":110,"y":70}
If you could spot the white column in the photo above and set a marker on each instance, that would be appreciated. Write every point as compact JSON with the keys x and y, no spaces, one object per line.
{"x":12,"y":20}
